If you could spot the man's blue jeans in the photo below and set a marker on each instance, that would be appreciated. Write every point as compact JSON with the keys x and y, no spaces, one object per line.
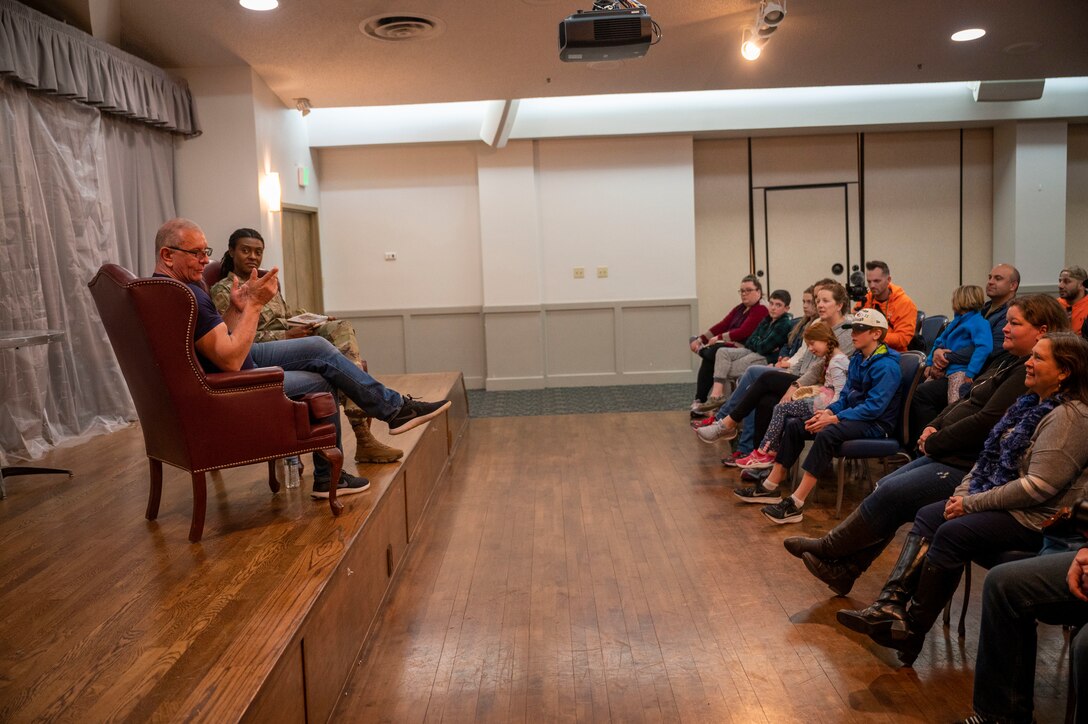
{"x":1014,"y":597}
{"x":747,"y":441}
{"x":313,"y":364}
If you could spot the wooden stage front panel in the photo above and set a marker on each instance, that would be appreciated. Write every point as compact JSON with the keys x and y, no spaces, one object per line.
{"x":110,"y":616}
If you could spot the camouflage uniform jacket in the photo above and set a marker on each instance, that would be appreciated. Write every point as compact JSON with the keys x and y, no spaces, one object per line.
{"x":274,"y":315}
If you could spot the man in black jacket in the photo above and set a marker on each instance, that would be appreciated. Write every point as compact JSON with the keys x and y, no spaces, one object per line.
{"x":950,"y":445}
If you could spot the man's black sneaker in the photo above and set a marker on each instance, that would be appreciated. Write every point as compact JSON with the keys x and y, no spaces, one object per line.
{"x":784,"y":511}
{"x":349,"y":485}
{"x":756,"y":494}
{"x":414,"y":413}
{"x":755,"y":475}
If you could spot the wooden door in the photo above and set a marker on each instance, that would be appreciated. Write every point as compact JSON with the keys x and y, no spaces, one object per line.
{"x":302,"y":260}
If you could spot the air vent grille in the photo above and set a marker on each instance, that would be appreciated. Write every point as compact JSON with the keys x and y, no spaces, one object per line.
{"x":401,"y":28}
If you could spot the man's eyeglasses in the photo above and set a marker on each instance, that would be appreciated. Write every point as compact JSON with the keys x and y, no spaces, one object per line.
{"x":747,"y":291}
{"x":195,"y":253}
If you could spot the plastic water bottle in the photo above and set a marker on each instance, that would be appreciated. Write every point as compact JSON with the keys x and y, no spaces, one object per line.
{"x":293,"y":477}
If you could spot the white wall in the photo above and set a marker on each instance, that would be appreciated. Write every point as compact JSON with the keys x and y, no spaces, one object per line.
{"x":215,"y":173}
{"x":421,"y":202}
{"x":624,"y":203}
{"x":247,"y":132}
{"x":1076,"y":213}
{"x":282,"y":145}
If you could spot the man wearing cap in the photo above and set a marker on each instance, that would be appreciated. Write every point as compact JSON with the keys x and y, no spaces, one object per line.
{"x":867,"y":408}
{"x":1073,"y":296}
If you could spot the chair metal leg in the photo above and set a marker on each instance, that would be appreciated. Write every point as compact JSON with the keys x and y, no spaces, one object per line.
{"x":842,"y":484}
{"x":155,"y":493}
{"x":200,"y":506}
{"x":962,"y":628}
{"x":22,"y":470}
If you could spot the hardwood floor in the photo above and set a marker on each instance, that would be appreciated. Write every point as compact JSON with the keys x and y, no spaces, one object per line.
{"x":596,"y":568}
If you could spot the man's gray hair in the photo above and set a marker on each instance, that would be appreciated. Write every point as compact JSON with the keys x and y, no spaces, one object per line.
{"x":169,"y":233}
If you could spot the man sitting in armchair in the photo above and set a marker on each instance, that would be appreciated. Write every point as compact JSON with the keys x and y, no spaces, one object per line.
{"x":311,"y":364}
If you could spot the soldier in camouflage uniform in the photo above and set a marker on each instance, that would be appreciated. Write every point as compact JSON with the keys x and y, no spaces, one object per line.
{"x":244,"y":252}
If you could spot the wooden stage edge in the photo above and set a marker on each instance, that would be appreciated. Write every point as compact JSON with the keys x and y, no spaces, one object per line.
{"x":261,"y":621}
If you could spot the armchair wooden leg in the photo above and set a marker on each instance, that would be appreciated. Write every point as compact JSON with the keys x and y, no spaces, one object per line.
{"x":200,"y":506}
{"x":272,"y":482}
{"x":336,"y":462}
{"x":155,"y":494}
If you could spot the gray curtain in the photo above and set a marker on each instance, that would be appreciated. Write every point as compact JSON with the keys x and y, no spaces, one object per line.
{"x":47,"y":55}
{"x":77,"y":189}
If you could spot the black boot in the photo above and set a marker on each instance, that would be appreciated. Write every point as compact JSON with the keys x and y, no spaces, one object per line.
{"x":935,"y":587}
{"x":840,"y":573}
{"x":887,"y":614}
{"x":849,"y":536}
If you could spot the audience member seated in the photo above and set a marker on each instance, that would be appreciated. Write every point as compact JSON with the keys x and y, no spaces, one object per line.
{"x":950,"y":446}
{"x":1073,"y":296}
{"x":795,"y":339}
{"x":806,"y":401}
{"x":310,"y":364}
{"x":1032,"y":464}
{"x":732,"y":331}
{"x":891,"y":301}
{"x":245,"y":249}
{"x":867,"y":408}
{"x":761,"y":388}
{"x":1051,"y":589}
{"x":967,"y":330}
{"x":932,"y":396}
{"x":731,"y":362}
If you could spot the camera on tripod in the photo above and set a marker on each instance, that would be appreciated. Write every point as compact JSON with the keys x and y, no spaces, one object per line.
{"x":856,"y":288}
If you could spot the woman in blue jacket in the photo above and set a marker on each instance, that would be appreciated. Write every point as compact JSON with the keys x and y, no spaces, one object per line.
{"x":968,"y":330}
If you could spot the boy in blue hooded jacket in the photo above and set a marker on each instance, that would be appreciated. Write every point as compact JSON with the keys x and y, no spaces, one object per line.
{"x":867,"y":408}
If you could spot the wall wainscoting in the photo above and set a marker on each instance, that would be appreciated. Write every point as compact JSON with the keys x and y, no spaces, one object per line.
{"x":535,"y":346}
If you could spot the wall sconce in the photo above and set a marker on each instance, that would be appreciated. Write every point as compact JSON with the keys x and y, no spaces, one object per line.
{"x":270,"y":191}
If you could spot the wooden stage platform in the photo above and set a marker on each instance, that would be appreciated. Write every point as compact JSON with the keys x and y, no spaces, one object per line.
{"x":107,"y":616}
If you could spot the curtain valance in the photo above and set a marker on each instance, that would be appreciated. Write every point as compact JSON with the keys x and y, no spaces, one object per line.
{"x":50,"y":56}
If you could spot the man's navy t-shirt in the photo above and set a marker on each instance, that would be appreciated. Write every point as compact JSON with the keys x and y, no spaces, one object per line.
{"x":207,"y":319}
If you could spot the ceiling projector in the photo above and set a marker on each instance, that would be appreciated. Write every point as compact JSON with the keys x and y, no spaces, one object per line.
{"x":621,"y":30}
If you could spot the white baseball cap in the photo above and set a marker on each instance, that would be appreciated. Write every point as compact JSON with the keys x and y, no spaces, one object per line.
{"x":868,"y":319}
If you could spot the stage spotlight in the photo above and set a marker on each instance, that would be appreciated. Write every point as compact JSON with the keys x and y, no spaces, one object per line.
{"x":751,"y":45}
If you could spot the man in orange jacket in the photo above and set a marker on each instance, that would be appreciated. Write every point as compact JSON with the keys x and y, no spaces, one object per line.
{"x":891,"y":301}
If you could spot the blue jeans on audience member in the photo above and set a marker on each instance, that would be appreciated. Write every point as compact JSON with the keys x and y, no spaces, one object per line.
{"x":899,"y":495}
{"x":313,"y":364}
{"x":747,"y":442}
{"x":1014,"y":597}
{"x":743,"y":384}
{"x":956,"y":542}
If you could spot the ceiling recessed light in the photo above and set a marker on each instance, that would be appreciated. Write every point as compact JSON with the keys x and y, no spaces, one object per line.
{"x":259,"y":4}
{"x":962,"y":36}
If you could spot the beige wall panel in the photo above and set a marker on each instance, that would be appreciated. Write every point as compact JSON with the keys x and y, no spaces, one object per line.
{"x":978,"y":207}
{"x":721,"y":225}
{"x":655,"y":339}
{"x":381,"y":340}
{"x":515,"y":348}
{"x":580,"y":342}
{"x":444,"y":342}
{"x":795,"y":160}
{"x":912,"y":218}
{"x":1076,"y":214}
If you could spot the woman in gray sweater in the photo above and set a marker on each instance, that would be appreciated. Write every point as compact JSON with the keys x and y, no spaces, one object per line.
{"x":1032,"y":464}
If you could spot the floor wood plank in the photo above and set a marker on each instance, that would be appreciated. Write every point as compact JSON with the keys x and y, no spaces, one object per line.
{"x":596,"y":568}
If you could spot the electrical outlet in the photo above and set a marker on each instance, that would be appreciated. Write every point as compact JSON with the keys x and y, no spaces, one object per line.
{"x":390,"y":256}
{"x":602,"y":272}
{"x":579,"y":272}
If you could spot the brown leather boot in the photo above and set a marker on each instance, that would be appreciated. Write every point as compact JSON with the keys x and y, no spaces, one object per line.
{"x":368,"y":449}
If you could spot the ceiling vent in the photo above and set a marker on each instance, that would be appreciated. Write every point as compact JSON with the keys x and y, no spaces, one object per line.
{"x":401,"y":28}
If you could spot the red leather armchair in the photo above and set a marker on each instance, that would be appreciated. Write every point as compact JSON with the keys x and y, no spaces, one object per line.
{"x":193,"y":420}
